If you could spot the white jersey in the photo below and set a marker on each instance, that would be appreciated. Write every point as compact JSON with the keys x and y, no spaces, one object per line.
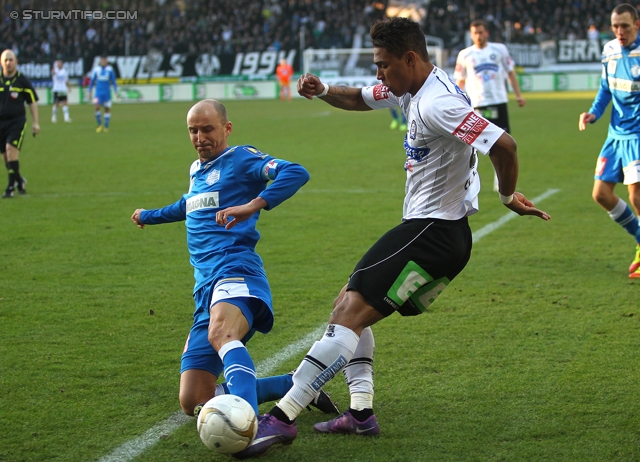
{"x":443,"y":135}
{"x":485,"y":71}
{"x":60,"y":78}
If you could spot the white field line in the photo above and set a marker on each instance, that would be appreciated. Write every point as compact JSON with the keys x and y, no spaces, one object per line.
{"x":482,"y":232}
{"x":137,"y":446}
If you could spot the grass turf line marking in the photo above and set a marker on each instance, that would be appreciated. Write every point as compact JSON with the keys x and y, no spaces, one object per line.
{"x":138,"y":445}
{"x":482,"y":232}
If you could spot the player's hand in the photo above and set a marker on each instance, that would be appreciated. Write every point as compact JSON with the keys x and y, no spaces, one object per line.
{"x":35,"y":129}
{"x":309,"y":86}
{"x":239,"y":213}
{"x":136,"y":218}
{"x":521,"y":101}
{"x":585,"y":118}
{"x":523,"y":206}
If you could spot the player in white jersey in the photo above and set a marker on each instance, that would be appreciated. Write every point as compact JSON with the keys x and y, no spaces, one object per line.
{"x":414,"y":262}
{"x":482,"y":71}
{"x":60,"y":89}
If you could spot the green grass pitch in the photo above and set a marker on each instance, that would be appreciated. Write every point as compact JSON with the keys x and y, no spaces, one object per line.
{"x":532,"y":353}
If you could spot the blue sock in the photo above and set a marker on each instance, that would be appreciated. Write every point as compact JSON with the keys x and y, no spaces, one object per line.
{"x":623,"y":215}
{"x":239,"y":372}
{"x":269,"y":388}
{"x":394,"y":113}
{"x":98,"y":118}
{"x":107,"y":118}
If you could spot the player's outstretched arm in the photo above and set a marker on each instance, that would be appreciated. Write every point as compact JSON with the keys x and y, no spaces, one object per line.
{"x":136,"y":218}
{"x":585,"y":118}
{"x":504,"y":156}
{"x":340,"y":96}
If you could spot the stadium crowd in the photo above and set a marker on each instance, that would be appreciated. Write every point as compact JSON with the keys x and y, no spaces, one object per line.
{"x":233,"y":26}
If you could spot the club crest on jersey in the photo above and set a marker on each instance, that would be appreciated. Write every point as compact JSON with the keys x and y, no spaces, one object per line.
{"x":635,"y":71}
{"x":380,"y":92}
{"x":14,"y":95}
{"x":413,"y":130}
{"x":611,"y":66}
{"x":213,"y":177}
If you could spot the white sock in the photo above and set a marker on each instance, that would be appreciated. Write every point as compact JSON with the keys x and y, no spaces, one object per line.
{"x":324,"y":360}
{"x":65,"y":111}
{"x":359,"y":372}
{"x":618,"y":210}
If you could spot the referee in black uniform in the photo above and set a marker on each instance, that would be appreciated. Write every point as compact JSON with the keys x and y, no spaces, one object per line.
{"x":15,"y":91}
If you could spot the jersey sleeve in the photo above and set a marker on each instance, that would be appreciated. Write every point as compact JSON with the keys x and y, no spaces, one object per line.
{"x":603,"y":97}
{"x":169,"y":214}
{"x":455,"y":118}
{"x":379,"y":97}
{"x":460,"y":72}
{"x":286,"y":177}
{"x":30,"y":94}
{"x":92,"y":81}
{"x":507,"y":60}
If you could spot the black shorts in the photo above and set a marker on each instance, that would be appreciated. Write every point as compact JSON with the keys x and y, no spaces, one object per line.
{"x":12,"y":132}
{"x":497,"y":114}
{"x":59,"y":97}
{"x":412,"y":264}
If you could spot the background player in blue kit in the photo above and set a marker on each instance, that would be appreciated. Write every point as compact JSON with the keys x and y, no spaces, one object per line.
{"x":619,"y":160}
{"x":103,"y":77}
{"x":228,"y":188}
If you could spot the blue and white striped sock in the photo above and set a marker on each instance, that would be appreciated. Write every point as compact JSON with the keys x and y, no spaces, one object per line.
{"x":623,"y":215}
{"x":239,"y":372}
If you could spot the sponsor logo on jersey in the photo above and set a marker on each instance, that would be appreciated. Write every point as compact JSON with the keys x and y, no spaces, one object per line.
{"x":624,"y":85}
{"x":470,"y":128}
{"x":600,"y":165}
{"x":14,"y":95}
{"x":270,"y":169}
{"x":418,"y":154}
{"x":486,"y":67}
{"x":203,"y":201}
{"x":380,"y":92}
{"x":213,"y":177}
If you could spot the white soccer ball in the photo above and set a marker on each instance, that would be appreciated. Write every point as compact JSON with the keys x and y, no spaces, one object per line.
{"x":227,"y":424}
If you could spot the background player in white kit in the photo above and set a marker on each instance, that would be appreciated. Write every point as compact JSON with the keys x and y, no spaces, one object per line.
{"x":60,"y":88}
{"x":482,"y":71}
{"x":408,"y":267}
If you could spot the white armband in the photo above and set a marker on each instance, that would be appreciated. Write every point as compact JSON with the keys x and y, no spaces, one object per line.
{"x":325,"y":91}
{"x":506,"y":200}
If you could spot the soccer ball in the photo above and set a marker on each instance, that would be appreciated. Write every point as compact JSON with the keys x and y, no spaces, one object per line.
{"x":227,"y":424}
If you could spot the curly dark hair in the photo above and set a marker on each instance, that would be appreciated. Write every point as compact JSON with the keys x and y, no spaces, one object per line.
{"x":399,"y":35}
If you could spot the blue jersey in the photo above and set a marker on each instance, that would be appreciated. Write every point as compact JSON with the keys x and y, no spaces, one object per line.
{"x":620,"y":83}
{"x":236,"y":177}
{"x":103,"y":78}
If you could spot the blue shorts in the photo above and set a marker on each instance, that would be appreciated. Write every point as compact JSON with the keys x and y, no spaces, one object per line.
{"x":619,"y":161}
{"x":198,"y":352}
{"x":102,"y":100}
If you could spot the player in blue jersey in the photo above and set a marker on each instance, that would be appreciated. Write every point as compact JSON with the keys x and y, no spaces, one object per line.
{"x":228,"y":188}
{"x":103,"y":77}
{"x":619,"y":160}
